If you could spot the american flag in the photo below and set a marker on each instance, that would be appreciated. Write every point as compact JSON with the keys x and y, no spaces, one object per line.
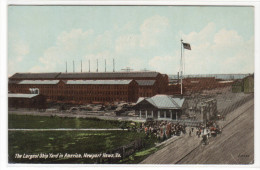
{"x":186,"y":46}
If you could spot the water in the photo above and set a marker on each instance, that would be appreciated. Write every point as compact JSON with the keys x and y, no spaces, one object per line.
{"x":217,"y":76}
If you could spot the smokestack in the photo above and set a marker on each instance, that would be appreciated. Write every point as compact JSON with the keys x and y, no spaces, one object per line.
{"x":81,"y":66}
{"x":105,"y":65}
{"x":97,"y":65}
{"x":88,"y":65}
{"x":66,"y":66}
{"x":113,"y":65}
{"x":73,"y":67}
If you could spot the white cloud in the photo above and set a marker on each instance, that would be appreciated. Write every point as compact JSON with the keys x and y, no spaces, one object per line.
{"x":213,"y":51}
{"x":206,"y":34}
{"x":19,"y":50}
{"x":151,"y":29}
{"x":137,"y":64}
{"x":224,"y":51}
{"x":165,"y":64}
{"x":72,"y":45}
{"x":125,"y":43}
{"x":227,"y":39}
{"x":117,"y":43}
{"x":71,"y":40}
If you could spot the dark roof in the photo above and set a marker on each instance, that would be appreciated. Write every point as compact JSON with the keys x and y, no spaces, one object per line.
{"x":13,"y":81}
{"x":34,"y":76}
{"x":101,"y":75}
{"x":145,"y":82}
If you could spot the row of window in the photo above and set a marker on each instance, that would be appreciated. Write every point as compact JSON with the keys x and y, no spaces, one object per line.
{"x":75,"y":86}
{"x":72,"y":92}
{"x":146,"y":94}
{"x":51,"y":93}
{"x":90,"y":99}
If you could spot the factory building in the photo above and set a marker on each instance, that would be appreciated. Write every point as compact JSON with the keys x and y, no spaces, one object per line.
{"x":147,"y":88}
{"x":81,"y":91}
{"x":91,"y":87}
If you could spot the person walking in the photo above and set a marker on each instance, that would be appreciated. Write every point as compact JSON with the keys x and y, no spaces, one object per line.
{"x":190,"y":133}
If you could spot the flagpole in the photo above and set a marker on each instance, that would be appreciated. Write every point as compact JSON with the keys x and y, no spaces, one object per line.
{"x":181,"y":66}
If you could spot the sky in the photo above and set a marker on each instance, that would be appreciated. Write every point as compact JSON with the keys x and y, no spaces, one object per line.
{"x":44,"y":38}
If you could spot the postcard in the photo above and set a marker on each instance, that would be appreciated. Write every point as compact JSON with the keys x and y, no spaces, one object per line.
{"x":139,"y":84}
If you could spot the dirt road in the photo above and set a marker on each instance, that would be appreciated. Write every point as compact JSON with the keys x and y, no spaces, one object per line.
{"x":234,"y":146}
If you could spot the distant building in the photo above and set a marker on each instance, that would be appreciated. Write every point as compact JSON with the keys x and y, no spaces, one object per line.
{"x":147,"y":88}
{"x":147,"y":84}
{"x":245,"y":85}
{"x":87,"y":91}
{"x":160,"y":107}
{"x":248,"y":84}
{"x":35,"y":101}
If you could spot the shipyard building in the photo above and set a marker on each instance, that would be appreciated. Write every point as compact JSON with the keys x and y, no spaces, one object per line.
{"x":99,"y":87}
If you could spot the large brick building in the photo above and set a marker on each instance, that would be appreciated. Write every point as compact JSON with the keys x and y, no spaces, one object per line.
{"x":91,"y":87}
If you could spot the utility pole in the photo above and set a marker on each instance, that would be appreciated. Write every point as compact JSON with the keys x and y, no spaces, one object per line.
{"x":81,"y":66}
{"x":113,"y":65}
{"x":97,"y":65}
{"x":105,"y":65}
{"x":88,"y":65}
{"x":73,"y":67}
{"x":66,"y":66}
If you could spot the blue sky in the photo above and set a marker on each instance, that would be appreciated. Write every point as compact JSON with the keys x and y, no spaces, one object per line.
{"x":43,"y":38}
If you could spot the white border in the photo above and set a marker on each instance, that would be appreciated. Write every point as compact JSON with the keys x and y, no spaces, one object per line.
{"x":3,"y":80}
{"x":133,"y":2}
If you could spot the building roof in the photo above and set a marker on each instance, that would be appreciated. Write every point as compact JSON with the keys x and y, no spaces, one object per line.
{"x":116,"y":82}
{"x":25,"y":76}
{"x":17,"y":95}
{"x":101,"y":75}
{"x":13,"y":81}
{"x":145,"y":82}
{"x":164,"y":101}
{"x":39,"y":82}
{"x":140,"y":99}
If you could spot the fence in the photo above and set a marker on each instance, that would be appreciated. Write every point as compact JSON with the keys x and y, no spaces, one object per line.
{"x":123,"y":151}
{"x":229,"y":109}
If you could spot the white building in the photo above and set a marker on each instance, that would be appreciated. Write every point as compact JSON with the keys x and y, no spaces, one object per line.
{"x":161,"y":107}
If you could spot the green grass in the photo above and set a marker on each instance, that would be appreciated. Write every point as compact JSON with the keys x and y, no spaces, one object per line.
{"x":66,"y":142}
{"x":140,"y":155}
{"x":45,"y":122}
{"x":71,"y":142}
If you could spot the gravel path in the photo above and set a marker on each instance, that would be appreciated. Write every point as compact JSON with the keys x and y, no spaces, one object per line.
{"x":237,"y":138}
{"x":234,"y":146}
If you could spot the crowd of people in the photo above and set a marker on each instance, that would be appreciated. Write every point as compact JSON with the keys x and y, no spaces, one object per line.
{"x":164,"y":129}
